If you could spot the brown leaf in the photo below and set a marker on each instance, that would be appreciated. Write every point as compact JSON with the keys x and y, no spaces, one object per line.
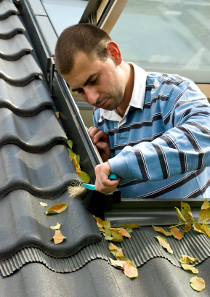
{"x":43,"y":204}
{"x":197,"y":283}
{"x":187,"y":259}
{"x":205,"y":211}
{"x":130,"y":269}
{"x":180,"y":216}
{"x":99,"y":222}
{"x":178,"y":234}
{"x":185,"y":208}
{"x":133,"y":226}
{"x":187,"y":227}
{"x":117,"y":237}
{"x":161,"y":230}
{"x":198,"y":227}
{"x":58,"y":237}
{"x":116,"y":251}
{"x":58,"y":208}
{"x":163,"y":242}
{"x":189,"y":268}
{"x":56,"y":227}
{"x":206,"y":229}
{"x":124,"y":233}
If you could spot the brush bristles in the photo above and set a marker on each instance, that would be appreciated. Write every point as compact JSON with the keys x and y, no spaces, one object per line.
{"x":76,"y":189}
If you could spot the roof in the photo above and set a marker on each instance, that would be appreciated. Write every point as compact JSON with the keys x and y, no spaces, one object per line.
{"x":35,"y":167}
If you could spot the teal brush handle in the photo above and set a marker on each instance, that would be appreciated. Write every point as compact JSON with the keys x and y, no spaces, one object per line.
{"x":112,"y":176}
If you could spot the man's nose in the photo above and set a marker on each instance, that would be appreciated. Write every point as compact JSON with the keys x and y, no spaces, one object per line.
{"x":92,"y":95}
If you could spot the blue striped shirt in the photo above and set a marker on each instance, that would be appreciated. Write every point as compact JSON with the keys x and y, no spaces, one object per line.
{"x":161,"y":150}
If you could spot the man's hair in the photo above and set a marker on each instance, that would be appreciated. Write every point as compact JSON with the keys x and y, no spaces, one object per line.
{"x":85,"y":38}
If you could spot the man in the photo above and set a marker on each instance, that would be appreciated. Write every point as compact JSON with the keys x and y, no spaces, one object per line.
{"x":152,"y":129}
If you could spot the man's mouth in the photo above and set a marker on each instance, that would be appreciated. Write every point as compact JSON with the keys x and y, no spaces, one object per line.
{"x":104,"y":104}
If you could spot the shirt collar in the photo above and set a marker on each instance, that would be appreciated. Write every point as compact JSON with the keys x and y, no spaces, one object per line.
{"x":137,"y":98}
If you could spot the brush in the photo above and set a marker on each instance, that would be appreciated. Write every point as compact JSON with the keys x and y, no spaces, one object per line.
{"x":84,"y":190}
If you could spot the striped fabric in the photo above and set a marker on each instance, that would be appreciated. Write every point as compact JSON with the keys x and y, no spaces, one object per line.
{"x":162,"y":150}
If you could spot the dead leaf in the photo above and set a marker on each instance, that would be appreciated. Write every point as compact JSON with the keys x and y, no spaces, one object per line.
{"x":197,"y":283}
{"x":69,"y":143}
{"x":124,"y":233}
{"x":116,"y":251}
{"x":116,"y":236}
{"x":163,"y":242}
{"x":130,"y":269}
{"x":58,"y":237}
{"x":185,"y":208}
{"x":43,"y":204}
{"x":57,"y":208}
{"x":189,"y":267}
{"x":99,"y":222}
{"x":187,"y":227}
{"x":133,"y":226}
{"x":205,"y":211}
{"x":187,"y":259}
{"x":85,"y":177}
{"x":180,"y":216}
{"x":198,"y":227}
{"x":57,"y":114}
{"x":178,"y":234}
{"x":57,"y":227}
{"x":161,"y":230}
{"x":206,"y":229}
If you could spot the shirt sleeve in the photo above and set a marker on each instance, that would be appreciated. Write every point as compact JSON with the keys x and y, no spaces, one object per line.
{"x":183,"y":147}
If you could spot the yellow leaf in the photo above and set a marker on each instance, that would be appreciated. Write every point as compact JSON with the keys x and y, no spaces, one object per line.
{"x":43,"y":204}
{"x":58,"y":237}
{"x":197,"y":283}
{"x":57,"y":208}
{"x":116,"y":263}
{"x":116,"y":251}
{"x":161,"y":230}
{"x":189,"y":268}
{"x":198,"y":227}
{"x":180,"y":216}
{"x":163,"y":242}
{"x":117,"y":237}
{"x":57,"y":227}
{"x":206,"y":229}
{"x":69,"y":143}
{"x":205,"y":211}
{"x":57,"y":114}
{"x":130,"y":269}
{"x":187,"y":227}
{"x":185,"y":208}
{"x":178,"y":234}
{"x":100,"y":222}
{"x":85,"y":177}
{"x":187,"y":259}
{"x":133,"y":226}
{"x":124,"y":233}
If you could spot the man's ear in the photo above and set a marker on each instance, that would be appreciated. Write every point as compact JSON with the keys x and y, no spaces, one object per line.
{"x":114,"y":52}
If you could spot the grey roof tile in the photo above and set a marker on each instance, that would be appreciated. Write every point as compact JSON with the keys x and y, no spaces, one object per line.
{"x":39,"y":135}
{"x":27,"y":225}
{"x":46,"y":174}
{"x":21,"y":71}
{"x":7,"y":8}
{"x":27,"y":100}
{"x":10,"y":27}
{"x":14,"y":48}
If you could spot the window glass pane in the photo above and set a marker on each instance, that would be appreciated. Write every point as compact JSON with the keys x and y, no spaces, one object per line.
{"x":166,"y":35}
{"x":64,"y":13}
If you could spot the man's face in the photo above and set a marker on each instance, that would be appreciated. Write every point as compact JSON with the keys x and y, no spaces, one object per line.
{"x":99,"y":83}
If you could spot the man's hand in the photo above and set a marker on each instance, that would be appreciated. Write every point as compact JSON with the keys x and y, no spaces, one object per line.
{"x":103,"y":184}
{"x":101,"y":140}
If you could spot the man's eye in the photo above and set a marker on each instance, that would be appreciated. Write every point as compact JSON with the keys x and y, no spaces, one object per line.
{"x":92,"y":82}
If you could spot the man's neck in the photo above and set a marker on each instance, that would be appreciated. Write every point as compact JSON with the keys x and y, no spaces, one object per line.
{"x":121,"y":109}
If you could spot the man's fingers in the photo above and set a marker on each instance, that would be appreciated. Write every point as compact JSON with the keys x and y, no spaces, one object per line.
{"x":97,"y":135}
